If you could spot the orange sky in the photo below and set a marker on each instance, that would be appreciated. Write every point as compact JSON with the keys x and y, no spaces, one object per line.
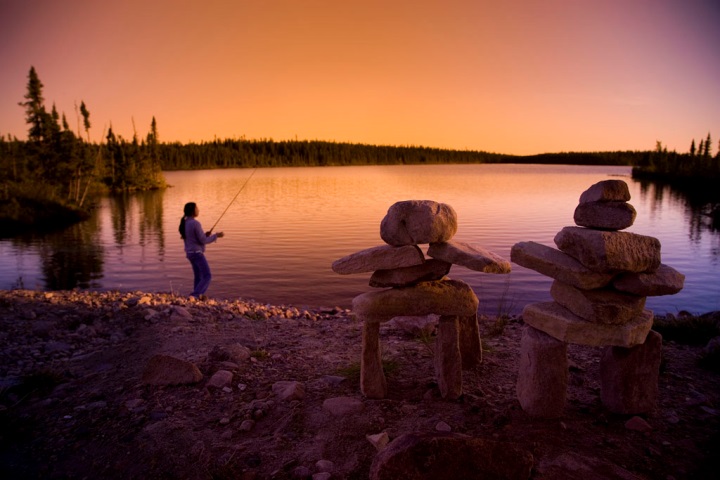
{"x":515,"y":76}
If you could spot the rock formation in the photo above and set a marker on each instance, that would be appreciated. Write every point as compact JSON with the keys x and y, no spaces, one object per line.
{"x":602,"y":277}
{"x":418,"y":286}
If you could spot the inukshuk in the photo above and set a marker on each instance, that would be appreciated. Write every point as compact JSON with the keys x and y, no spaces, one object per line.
{"x":416,"y":286}
{"x":602,"y":277}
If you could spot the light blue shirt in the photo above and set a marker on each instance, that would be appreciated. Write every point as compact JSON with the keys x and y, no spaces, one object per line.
{"x":195,"y":238}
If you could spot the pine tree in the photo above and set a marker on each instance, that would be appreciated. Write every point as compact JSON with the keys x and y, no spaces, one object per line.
{"x":692,"y":148}
{"x":35,"y":114}
{"x":708,"y":146}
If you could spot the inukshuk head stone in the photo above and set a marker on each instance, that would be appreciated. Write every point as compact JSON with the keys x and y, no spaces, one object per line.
{"x":601,"y":274}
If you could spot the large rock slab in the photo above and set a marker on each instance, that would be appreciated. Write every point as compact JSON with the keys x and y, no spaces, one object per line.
{"x":167,"y":370}
{"x":431,"y":456}
{"x":608,"y":252}
{"x":428,"y":271}
{"x":447,"y":359}
{"x":561,"y":323}
{"x":413,"y":222}
{"x":603,"y":305}
{"x":558,"y":265}
{"x":664,"y":281}
{"x":473,"y":257}
{"x":606,"y":191}
{"x":382,"y":257}
{"x":605,"y":215}
{"x":442,"y":297}
{"x":629,"y":376}
{"x":542,"y":374}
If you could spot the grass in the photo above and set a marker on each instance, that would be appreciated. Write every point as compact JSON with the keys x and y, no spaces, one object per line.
{"x":352,"y":371}
{"x":688,"y":329}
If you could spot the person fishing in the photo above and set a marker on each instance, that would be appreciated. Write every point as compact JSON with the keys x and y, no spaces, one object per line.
{"x":195,"y":240}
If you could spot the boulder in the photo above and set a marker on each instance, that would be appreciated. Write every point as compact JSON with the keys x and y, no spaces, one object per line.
{"x":402,"y":277}
{"x":442,"y":297}
{"x":606,"y":191}
{"x":663,"y":281}
{"x":542,"y":374}
{"x":558,"y":265}
{"x":605,"y":215}
{"x":379,"y":258}
{"x":167,"y":370}
{"x":473,"y":257}
{"x":561,"y":323}
{"x":609,"y":252}
{"x":289,"y":390}
{"x":430,"y":456}
{"x":603,"y":305}
{"x":413,"y":222}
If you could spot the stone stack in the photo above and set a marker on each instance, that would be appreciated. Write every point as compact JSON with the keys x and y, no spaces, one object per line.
{"x":414,"y":285}
{"x":602,"y":277}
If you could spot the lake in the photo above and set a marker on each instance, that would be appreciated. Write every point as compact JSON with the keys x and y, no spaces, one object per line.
{"x":288,"y":225}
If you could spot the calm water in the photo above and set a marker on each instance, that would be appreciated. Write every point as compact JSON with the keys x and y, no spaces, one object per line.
{"x":289,"y":224}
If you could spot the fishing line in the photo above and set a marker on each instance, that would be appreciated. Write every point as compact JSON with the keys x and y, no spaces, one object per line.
{"x":231,"y":201}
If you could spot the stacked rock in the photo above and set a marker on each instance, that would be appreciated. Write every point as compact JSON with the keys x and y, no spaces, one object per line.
{"x":416,"y":286}
{"x":602,"y":277}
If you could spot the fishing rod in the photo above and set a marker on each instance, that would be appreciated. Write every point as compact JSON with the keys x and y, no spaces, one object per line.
{"x":231,"y":202}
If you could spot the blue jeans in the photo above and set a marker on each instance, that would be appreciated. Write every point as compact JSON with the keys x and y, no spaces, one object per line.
{"x":201,"y":271}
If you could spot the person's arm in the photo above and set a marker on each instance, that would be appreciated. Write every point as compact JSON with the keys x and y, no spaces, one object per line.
{"x":200,"y":236}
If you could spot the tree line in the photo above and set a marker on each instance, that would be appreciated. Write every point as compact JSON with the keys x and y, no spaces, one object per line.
{"x":697,"y":165}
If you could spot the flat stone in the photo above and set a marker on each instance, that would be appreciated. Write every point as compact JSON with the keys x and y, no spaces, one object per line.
{"x":606,"y":191}
{"x":167,"y":370}
{"x":442,"y":297}
{"x":542,"y":374}
{"x":428,"y":271}
{"x":663,"y":281}
{"x":431,"y":456}
{"x":603,"y":305}
{"x":342,"y":406}
{"x":413,"y":222}
{"x":558,"y":265}
{"x":561,"y":323}
{"x":379,"y":258}
{"x":608,"y":252}
{"x":473,"y":257}
{"x":629,"y":376}
{"x":605,"y":215}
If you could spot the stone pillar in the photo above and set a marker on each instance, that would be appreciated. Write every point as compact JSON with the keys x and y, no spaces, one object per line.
{"x":629,"y":376}
{"x":372,"y":377}
{"x":448,"y":362}
{"x":543,"y":374}
{"x":470,"y":343}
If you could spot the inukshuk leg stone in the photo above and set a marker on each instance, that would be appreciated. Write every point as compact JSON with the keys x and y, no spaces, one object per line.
{"x":543,"y":374}
{"x":448,"y":362}
{"x":372,"y":377}
{"x":629,"y":376}
{"x":470,"y":343}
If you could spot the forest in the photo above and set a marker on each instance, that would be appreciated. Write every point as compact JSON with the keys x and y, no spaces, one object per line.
{"x":698,"y":166}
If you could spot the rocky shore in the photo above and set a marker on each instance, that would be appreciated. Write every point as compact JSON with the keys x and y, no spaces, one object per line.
{"x":278,"y":395}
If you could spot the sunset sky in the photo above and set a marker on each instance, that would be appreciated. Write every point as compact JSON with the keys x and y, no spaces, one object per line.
{"x":514,"y":76}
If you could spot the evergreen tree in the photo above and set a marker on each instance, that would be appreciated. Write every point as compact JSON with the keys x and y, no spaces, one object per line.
{"x":34,"y":104}
{"x":708,"y":146}
{"x":692,"y":148}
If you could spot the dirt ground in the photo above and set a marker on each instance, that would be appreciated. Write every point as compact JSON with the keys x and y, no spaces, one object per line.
{"x":73,"y":404}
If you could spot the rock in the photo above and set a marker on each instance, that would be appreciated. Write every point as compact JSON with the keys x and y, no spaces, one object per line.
{"x":558,"y":265}
{"x":342,"y":406}
{"x":629,"y":376}
{"x":606,"y":191}
{"x":372,"y":378}
{"x":542,"y":374}
{"x":446,"y":297}
{"x":431,"y":456}
{"x":598,"y":306}
{"x":443,"y":427}
{"x":324,"y":466}
{"x":382,"y":257}
{"x":605,"y":215}
{"x":417,"y":325}
{"x":447,"y":358}
{"x":559,"y":322}
{"x":301,"y":472}
{"x":473,"y":257}
{"x":430,"y":270}
{"x":664,"y":281}
{"x":638,"y":424}
{"x":167,"y":370}
{"x":247,"y":425}
{"x":609,"y":252}
{"x":220,"y":379}
{"x":414,"y":222}
{"x":379,"y":440}
{"x":289,"y":390}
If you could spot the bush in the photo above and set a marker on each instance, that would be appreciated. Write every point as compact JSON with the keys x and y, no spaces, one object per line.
{"x":688,"y":329}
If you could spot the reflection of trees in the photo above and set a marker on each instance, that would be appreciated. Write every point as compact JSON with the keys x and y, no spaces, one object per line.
{"x":701,"y":204}
{"x":73,"y":258}
{"x":141,"y":213}
{"x":151,"y":218}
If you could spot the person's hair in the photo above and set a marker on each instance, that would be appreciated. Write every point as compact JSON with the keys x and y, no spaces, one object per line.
{"x":188,"y":211}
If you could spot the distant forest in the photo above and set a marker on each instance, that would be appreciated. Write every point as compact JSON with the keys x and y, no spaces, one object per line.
{"x":698,"y":165}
